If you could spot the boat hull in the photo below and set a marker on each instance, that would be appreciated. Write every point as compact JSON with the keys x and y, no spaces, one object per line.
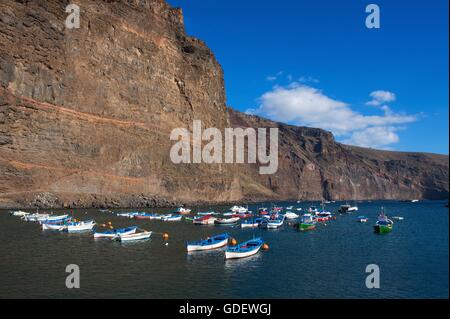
{"x":236,"y":255}
{"x":306,"y":226}
{"x":382,"y":229}
{"x":134,"y":237}
{"x":207,"y":247}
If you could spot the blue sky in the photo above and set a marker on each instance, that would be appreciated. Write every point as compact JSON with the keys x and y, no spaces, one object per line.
{"x":315,"y":63}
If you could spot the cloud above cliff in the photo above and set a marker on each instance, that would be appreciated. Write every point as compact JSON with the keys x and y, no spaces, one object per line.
{"x":303,"y":105}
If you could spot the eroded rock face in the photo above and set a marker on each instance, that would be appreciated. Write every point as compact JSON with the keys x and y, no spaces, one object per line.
{"x":86,"y":116}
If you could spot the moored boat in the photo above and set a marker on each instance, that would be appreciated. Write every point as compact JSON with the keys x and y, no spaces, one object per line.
{"x":226,"y":221}
{"x":114,"y":232}
{"x":204,"y":220}
{"x":79,"y":226}
{"x":362,"y":219}
{"x":182,"y":211}
{"x":238,"y":209}
{"x":251,"y":223}
{"x":307,"y":222}
{"x":209,"y":243}
{"x":55,"y":219}
{"x":273,"y":223}
{"x":59,"y":227}
{"x":35,"y":217}
{"x":134,"y":237}
{"x":172,"y":218}
{"x":19,"y":213}
{"x":290,"y":215}
{"x":245,"y":249}
{"x":383,"y":224}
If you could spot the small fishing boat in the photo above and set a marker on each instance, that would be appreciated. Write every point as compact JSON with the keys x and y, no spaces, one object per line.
{"x":383,"y":224}
{"x":80,"y":226}
{"x":130,"y":215}
{"x":133,"y":237}
{"x":114,"y":232}
{"x":145,"y":216}
{"x":398,"y":217}
{"x":323,"y":216}
{"x":55,"y":219}
{"x":35,"y":217}
{"x":173,"y":218}
{"x":204,"y":220}
{"x":209,"y":243}
{"x":362,"y":219}
{"x":414,"y":201}
{"x":59,"y":227}
{"x":226,"y":221}
{"x":238,"y":209}
{"x":347,"y":208}
{"x":251,"y":223}
{"x":307,"y":222}
{"x":19,"y":213}
{"x":182,"y":211}
{"x":290,"y":207}
{"x":245,"y":249}
{"x":290,"y":215}
{"x":273,"y":223}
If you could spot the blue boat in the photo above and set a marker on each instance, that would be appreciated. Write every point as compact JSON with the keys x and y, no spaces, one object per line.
{"x":245,"y":249}
{"x":114,"y":232}
{"x":209,"y":243}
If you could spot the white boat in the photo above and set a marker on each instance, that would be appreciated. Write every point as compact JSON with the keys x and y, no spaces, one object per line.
{"x":133,"y":237}
{"x":35,"y":217}
{"x":59,"y":227}
{"x":209,"y":243}
{"x":182,"y":210}
{"x":415,"y":201}
{"x":175,"y":218}
{"x":19,"y":213}
{"x":114,"y":232}
{"x":129,"y":215}
{"x":273,"y":223}
{"x":204,"y":220}
{"x":246,"y":249}
{"x":54,"y":219}
{"x":352,"y":209}
{"x":398,"y":217}
{"x":290,"y":207}
{"x":226,"y":221}
{"x":290,"y":215}
{"x":80,"y":226}
{"x":238,"y":209}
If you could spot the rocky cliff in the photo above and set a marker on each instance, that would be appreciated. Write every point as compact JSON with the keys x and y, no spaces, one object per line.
{"x":86,"y":116}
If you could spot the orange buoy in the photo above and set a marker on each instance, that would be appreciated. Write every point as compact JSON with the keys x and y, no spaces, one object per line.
{"x":233,"y":242}
{"x":165,"y":236}
{"x":109,"y":223}
{"x":111,"y":227}
{"x":265,"y":246}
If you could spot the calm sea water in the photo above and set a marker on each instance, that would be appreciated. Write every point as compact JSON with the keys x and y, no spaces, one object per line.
{"x":329,"y":262}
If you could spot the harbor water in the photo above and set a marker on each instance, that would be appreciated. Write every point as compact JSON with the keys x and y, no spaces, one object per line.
{"x":328,"y":262}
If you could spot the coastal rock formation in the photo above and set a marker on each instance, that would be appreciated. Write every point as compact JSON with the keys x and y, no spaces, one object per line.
{"x":86,"y":116}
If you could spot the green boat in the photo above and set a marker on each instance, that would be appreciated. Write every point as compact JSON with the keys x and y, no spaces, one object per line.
{"x":307,"y":223}
{"x":383,"y":225}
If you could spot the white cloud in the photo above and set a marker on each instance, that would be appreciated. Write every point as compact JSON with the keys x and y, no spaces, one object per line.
{"x":304,"y":105}
{"x":379,"y":97}
{"x":376,"y":136}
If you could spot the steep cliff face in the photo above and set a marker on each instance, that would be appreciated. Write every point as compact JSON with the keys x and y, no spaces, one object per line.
{"x":312,"y":165}
{"x":86,"y":116}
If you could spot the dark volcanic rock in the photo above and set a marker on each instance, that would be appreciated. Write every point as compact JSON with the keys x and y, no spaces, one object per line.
{"x":86,"y":115}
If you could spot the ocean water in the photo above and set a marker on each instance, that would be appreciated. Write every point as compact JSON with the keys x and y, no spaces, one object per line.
{"x":329,"y":262}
